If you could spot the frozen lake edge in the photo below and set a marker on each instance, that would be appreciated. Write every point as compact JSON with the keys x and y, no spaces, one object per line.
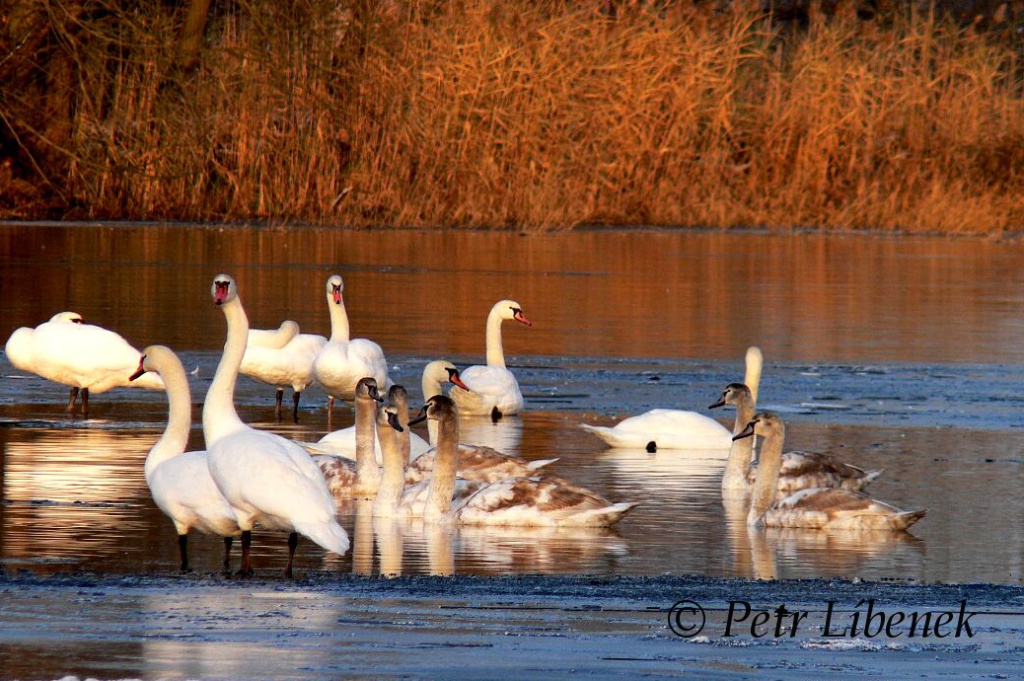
{"x":323,"y":625}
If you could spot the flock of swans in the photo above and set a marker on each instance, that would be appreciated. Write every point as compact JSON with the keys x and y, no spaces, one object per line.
{"x":248,"y":477}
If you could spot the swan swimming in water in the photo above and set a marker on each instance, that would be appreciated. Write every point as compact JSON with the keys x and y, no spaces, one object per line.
{"x":266,"y":478}
{"x":88,"y":358}
{"x":676,"y":428}
{"x":344,"y":360}
{"x":342,"y":442}
{"x":359,"y":479}
{"x":180,"y":481}
{"x":492,"y":390}
{"x":521,"y":501}
{"x":816,"y":508}
{"x":799,"y":469}
{"x":282,"y":357}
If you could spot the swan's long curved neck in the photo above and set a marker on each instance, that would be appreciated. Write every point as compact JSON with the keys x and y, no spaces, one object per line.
{"x":392,"y":481}
{"x":339,"y":320}
{"x":495,"y":353}
{"x":741,"y":451}
{"x":769,"y":463}
{"x":179,"y":418}
{"x":366,"y":460}
{"x":754,"y":366}
{"x":446,"y":461}
{"x":431,"y":386}
{"x":219,"y":415}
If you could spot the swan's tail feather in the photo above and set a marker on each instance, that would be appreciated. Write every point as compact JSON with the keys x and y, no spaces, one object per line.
{"x":871,"y":476}
{"x":540,"y":463}
{"x":601,"y":431}
{"x":902,"y":521}
{"x":330,"y":535}
{"x":602,"y":517}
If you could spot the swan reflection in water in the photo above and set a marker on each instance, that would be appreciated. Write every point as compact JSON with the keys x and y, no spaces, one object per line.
{"x":669,"y":471}
{"x":794,"y":553}
{"x":392,"y":547}
{"x":505,"y":434}
{"x":72,"y":494}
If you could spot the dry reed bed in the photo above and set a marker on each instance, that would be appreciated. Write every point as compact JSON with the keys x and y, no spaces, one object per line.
{"x":487,"y":114}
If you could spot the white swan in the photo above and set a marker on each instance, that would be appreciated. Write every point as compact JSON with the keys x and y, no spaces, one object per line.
{"x":799,"y":469}
{"x":676,"y":428}
{"x":492,"y":390}
{"x":343,"y":360}
{"x":342,"y":442}
{"x":265,"y":478}
{"x":359,"y":479}
{"x":533,"y":501}
{"x":86,"y":357}
{"x":817,"y":508}
{"x":477,"y":463}
{"x":282,"y":357}
{"x":180,"y":481}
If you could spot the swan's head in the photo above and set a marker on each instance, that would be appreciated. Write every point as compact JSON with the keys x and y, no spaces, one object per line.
{"x":733,"y":394}
{"x":366,"y":389}
{"x":223,"y":289}
{"x":764,"y":424}
{"x":442,"y":371}
{"x":437,"y":408}
{"x":67,"y":318}
{"x":399,"y":396}
{"x":388,"y":416}
{"x":334,"y":288}
{"x":510,"y":309}
{"x":155,"y":358}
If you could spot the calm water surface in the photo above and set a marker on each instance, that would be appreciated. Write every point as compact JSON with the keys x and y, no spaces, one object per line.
{"x":900,"y":354}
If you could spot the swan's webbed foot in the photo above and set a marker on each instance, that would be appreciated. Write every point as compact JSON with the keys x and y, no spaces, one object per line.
{"x":652,"y":447}
{"x":495,"y":414}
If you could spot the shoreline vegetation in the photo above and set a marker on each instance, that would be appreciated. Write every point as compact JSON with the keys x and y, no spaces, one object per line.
{"x":513,"y":114}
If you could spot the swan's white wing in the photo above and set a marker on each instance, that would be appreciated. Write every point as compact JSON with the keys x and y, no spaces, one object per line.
{"x":668,"y":429}
{"x":489,"y":388}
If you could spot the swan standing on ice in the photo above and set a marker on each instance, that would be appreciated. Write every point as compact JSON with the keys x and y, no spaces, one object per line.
{"x":492,"y":390}
{"x":799,"y":469}
{"x":533,"y":501}
{"x":180,"y":481}
{"x":282,"y":357}
{"x":86,"y":357}
{"x":815,"y":508}
{"x":343,"y":361}
{"x":676,"y":428}
{"x":265,"y":478}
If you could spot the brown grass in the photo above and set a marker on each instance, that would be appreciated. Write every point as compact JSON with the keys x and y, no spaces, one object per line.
{"x":543,"y":115}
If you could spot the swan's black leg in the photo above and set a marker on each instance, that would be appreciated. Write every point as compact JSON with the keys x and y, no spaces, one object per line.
{"x":183,"y":551}
{"x":295,"y":407}
{"x":246,"y":569}
{"x":85,"y":403}
{"x":277,"y":404}
{"x":227,"y":554}
{"x":293,"y":541}
{"x":72,"y":400}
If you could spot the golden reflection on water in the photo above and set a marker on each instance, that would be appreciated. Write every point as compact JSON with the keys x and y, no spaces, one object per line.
{"x":72,"y":494}
{"x":613,"y":294}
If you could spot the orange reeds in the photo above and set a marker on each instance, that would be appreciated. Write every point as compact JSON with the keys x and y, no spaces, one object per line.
{"x":483,"y":114}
